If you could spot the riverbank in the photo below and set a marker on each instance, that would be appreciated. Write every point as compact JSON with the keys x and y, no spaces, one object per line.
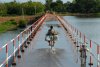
{"x":4,"y":28}
{"x":2,"y":19}
{"x":78,"y":14}
{"x":8,"y":26}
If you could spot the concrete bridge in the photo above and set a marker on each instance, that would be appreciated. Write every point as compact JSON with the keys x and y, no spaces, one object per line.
{"x":29,"y":48}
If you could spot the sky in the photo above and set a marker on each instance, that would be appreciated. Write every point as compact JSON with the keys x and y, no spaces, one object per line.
{"x":42,"y":1}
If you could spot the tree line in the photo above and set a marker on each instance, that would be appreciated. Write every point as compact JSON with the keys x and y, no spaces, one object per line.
{"x":16,"y":8}
{"x":76,"y":6}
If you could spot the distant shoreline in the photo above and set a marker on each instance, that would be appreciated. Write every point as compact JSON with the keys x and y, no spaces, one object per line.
{"x":79,"y":14}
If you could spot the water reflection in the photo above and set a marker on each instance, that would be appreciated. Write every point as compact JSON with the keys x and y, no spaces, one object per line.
{"x":83,"y":62}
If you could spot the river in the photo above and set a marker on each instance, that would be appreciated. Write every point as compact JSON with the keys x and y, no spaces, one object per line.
{"x":89,"y":26}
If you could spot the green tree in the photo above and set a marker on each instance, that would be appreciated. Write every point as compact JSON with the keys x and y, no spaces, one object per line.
{"x":86,"y":6}
{"x":66,"y":6}
{"x":13,"y":8}
{"x":60,"y":2}
{"x":29,"y":8}
{"x":54,"y":5}
{"x":3,"y":9}
{"x":58,"y":8}
{"x":47,"y":5}
{"x":48,"y":1}
{"x":22,"y":23}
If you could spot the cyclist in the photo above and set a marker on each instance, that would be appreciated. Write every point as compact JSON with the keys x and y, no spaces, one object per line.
{"x":52,"y":34}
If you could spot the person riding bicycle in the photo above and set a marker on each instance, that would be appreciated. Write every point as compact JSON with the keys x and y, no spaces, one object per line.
{"x":52,"y":33}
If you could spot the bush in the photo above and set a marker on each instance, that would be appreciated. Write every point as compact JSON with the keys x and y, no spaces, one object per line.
{"x":22,"y":23}
{"x":8,"y":23}
{"x":2,"y":28}
{"x":13,"y":21}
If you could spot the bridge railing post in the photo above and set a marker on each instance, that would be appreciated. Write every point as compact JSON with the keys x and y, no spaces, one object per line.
{"x":98,"y":55}
{"x":26,"y":38}
{"x":71,"y":31}
{"x":84,"y":39}
{"x":80,"y":40}
{"x":77,"y":39}
{"x":14,"y":53}
{"x":7,"y":55}
{"x":19,"y":56}
{"x":73,"y":34}
{"x":90,"y":54}
{"x":22,"y":43}
{"x":32,"y":31}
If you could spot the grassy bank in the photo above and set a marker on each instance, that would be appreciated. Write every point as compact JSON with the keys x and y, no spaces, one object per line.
{"x":6,"y":26}
{"x":9,"y":25}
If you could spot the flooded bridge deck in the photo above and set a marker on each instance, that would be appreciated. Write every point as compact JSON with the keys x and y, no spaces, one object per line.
{"x":38,"y":54}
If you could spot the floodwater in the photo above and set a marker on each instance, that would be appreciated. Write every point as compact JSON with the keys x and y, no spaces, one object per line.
{"x":90,"y":26}
{"x":39,"y":54}
{"x":42,"y":56}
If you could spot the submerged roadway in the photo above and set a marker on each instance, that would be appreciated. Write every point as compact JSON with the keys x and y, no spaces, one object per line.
{"x":38,"y":54}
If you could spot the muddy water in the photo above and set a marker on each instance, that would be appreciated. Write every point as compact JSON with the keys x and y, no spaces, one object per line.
{"x":39,"y":53}
{"x":90,"y":26}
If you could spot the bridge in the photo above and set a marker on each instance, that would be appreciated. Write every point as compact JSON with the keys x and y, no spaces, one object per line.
{"x":29,"y":48}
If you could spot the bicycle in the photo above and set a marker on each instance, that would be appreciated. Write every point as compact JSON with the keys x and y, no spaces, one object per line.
{"x":51,"y":40}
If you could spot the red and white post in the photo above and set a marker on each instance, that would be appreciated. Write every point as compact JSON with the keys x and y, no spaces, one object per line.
{"x":7,"y":55}
{"x":84,"y":39}
{"x":19,"y":56}
{"x":26,"y":40}
{"x":22,"y":44}
{"x":98,"y":55}
{"x":80,"y":40}
{"x":31,"y":34}
{"x":73,"y":33}
{"x":14,"y":52}
{"x":77,"y":39}
{"x":90,"y":54}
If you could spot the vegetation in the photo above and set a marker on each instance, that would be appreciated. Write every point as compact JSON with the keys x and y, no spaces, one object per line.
{"x":22,"y":23}
{"x":8,"y":25}
{"x":13,"y":21}
{"x":30,"y":8}
{"x":77,"y":6}
{"x":11,"y":24}
{"x":15,"y":8}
